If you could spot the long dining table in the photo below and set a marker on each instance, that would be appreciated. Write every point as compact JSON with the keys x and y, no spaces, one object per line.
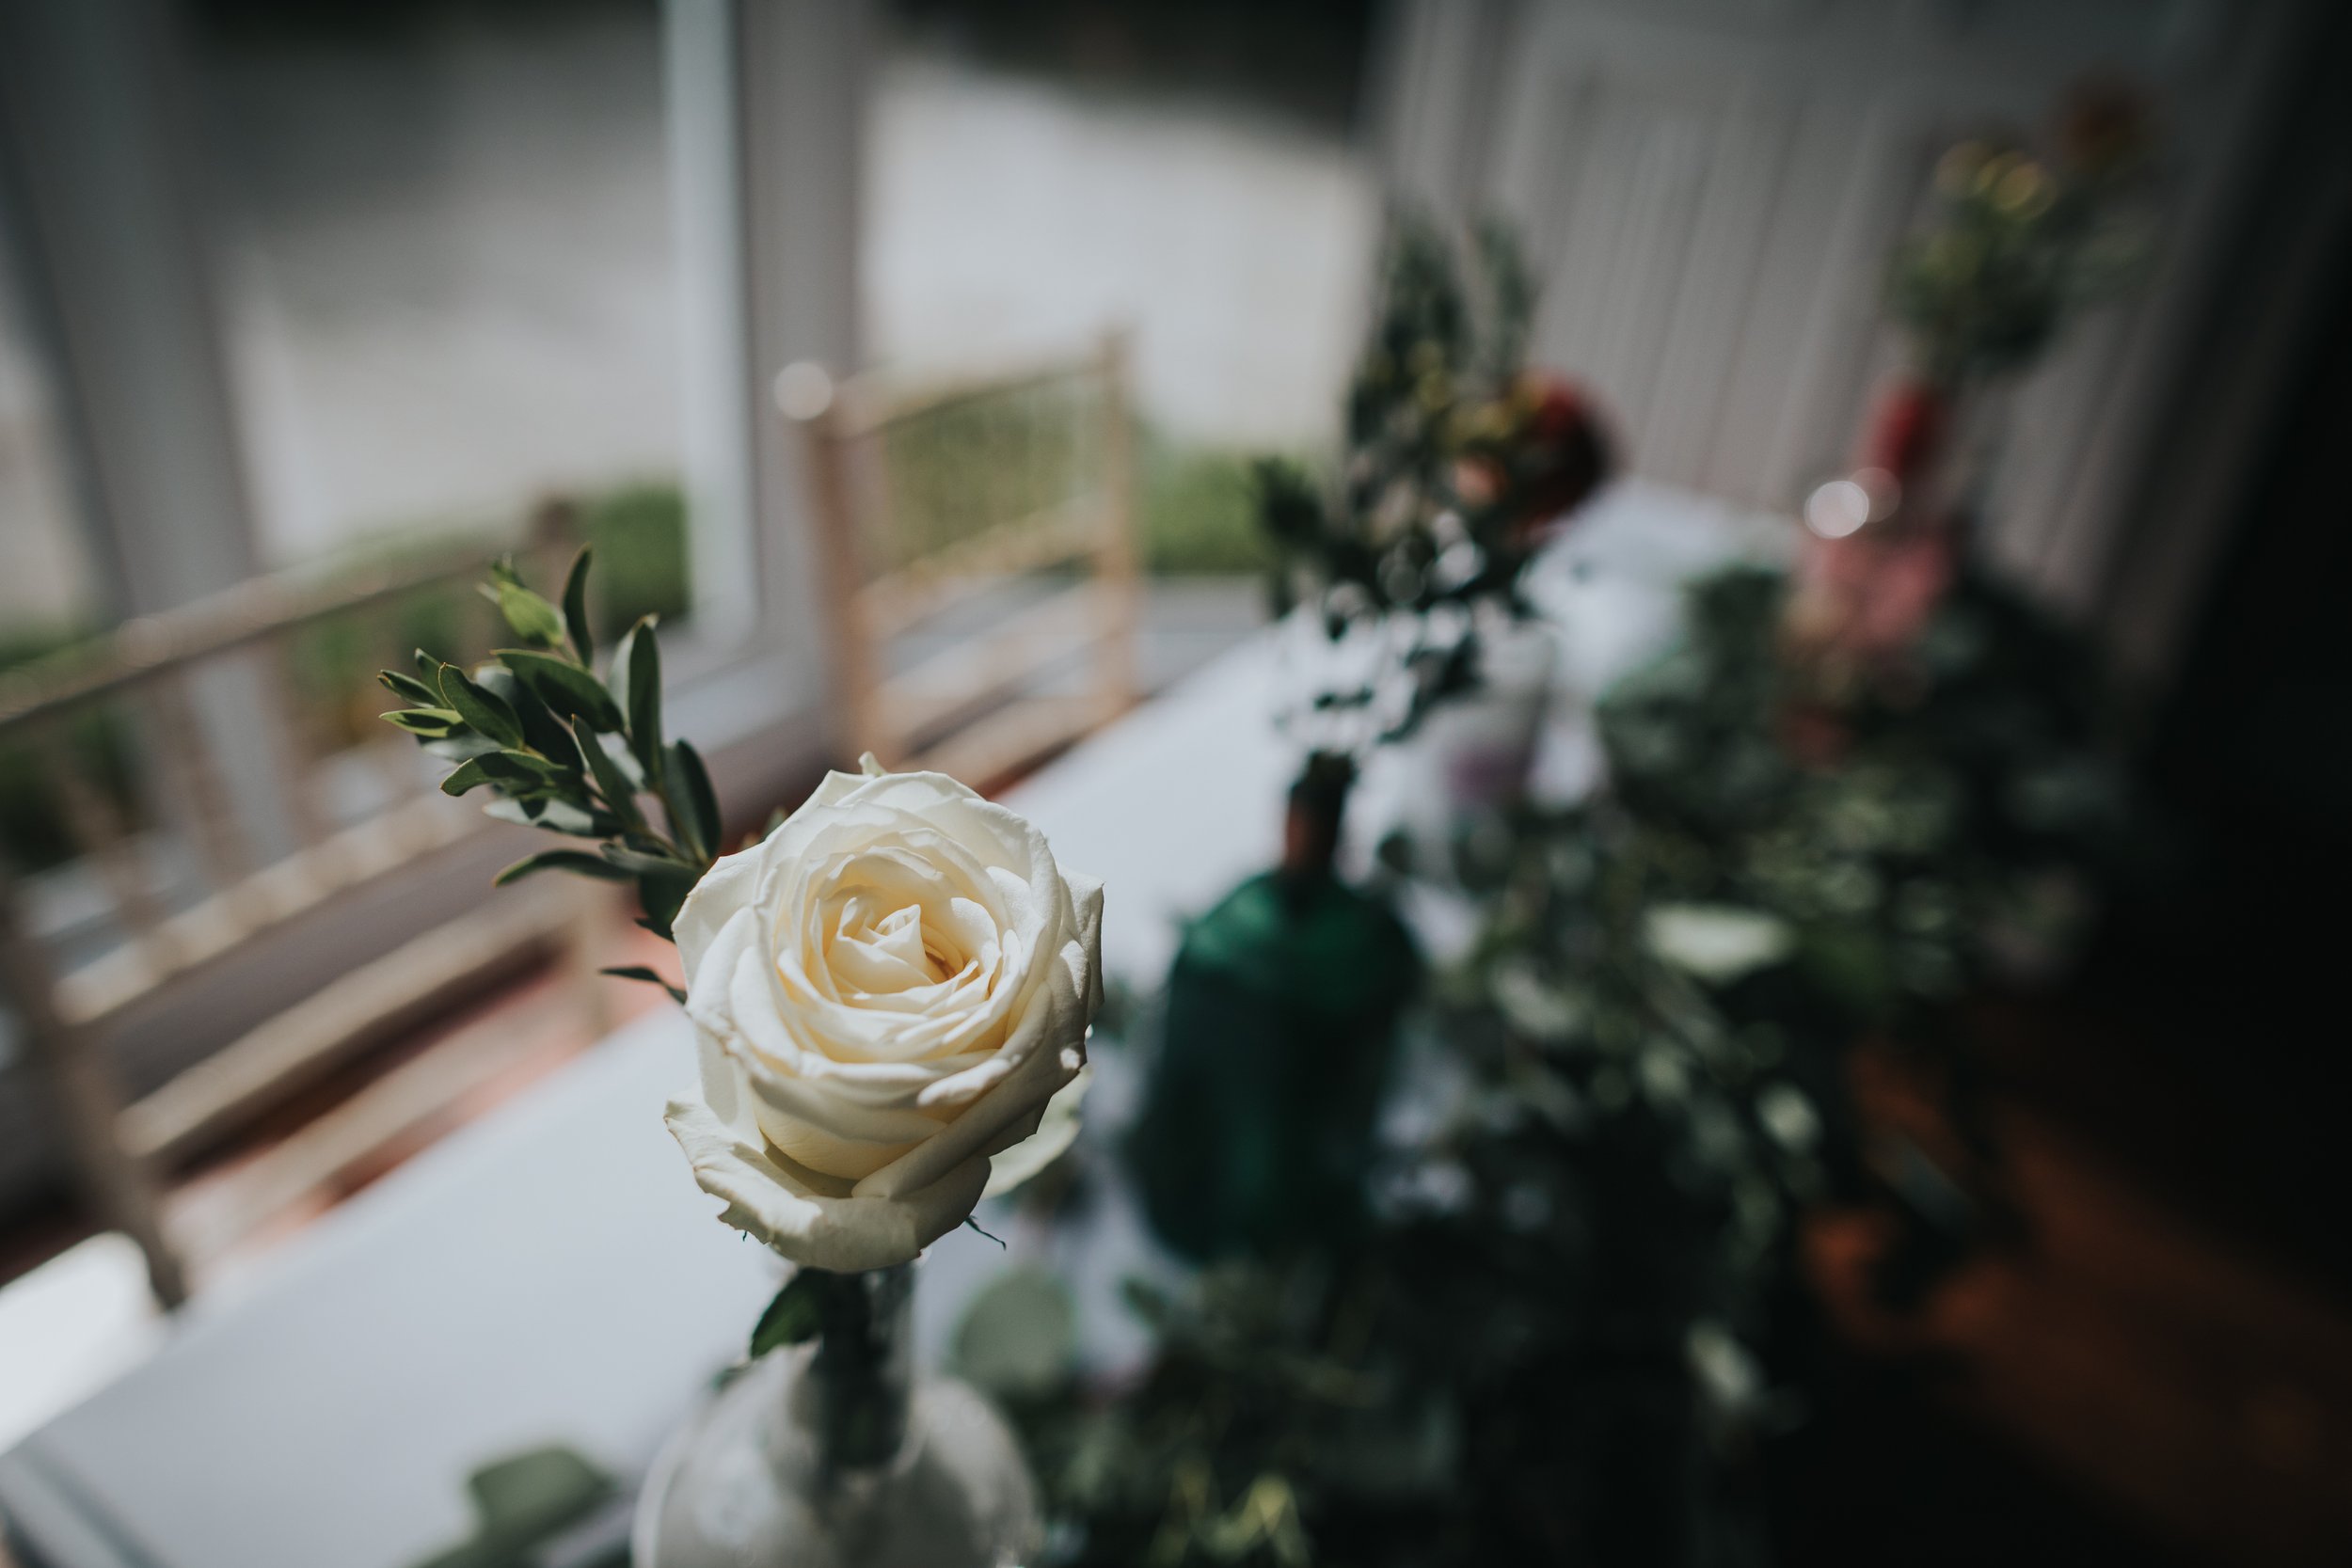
{"x":552,"y":1275}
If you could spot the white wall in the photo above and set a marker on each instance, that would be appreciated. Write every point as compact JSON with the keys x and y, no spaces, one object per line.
{"x":1710,"y":189}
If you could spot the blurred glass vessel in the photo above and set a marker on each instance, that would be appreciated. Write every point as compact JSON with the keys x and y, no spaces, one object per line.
{"x":836,"y":1455}
{"x":1281,"y":1029}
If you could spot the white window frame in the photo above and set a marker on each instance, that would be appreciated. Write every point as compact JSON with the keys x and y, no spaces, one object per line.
{"x":767,"y":114}
{"x":766,"y":103}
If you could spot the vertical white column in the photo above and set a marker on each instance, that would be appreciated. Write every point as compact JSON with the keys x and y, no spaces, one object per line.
{"x":98,"y":144}
{"x":93,"y":132}
{"x":706,"y":119}
{"x":768,"y":107}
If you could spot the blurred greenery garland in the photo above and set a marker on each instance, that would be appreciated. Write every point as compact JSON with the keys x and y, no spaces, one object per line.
{"x":2020,"y":240}
{"x":1458,"y":457}
{"x":1913,"y":833}
{"x":1570,"y":1324}
{"x":1575,"y":1321}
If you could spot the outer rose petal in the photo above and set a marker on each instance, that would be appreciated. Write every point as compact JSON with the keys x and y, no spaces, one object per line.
{"x":726,"y":888}
{"x":794,"y":1212}
{"x":1057,"y":1130}
{"x":1086,"y":893}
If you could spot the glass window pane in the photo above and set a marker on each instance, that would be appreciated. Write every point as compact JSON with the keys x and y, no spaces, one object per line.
{"x":447,"y":273}
{"x":50,"y":595}
{"x":1039,"y":173}
{"x":48,"y":590}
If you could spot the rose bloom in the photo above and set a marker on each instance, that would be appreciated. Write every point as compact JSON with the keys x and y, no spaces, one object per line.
{"x":886,"y":994}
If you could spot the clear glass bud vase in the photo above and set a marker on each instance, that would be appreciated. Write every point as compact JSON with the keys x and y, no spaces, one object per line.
{"x":836,"y":1455}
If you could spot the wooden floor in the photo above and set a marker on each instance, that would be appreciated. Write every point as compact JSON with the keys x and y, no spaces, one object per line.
{"x":2174,"y":1368}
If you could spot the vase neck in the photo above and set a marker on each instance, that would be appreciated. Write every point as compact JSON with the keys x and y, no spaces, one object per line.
{"x":855,"y":1395}
{"x":1311,"y":822}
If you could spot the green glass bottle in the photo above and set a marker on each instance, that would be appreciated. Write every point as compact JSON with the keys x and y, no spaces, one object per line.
{"x":1279,"y":1034}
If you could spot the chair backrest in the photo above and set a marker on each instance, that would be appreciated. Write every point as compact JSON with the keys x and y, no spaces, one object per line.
{"x":143,"y":749}
{"x":979,"y":544}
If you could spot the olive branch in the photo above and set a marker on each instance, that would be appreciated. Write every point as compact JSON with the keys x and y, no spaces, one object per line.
{"x":564,"y":750}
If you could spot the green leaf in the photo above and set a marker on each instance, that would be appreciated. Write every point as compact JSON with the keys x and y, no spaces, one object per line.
{"x":645,"y":696}
{"x":692,"y":798}
{"x":1018,"y":1337}
{"x":515,"y":773}
{"x":636,"y":865}
{"x":459,"y":745}
{"x":481,"y":708}
{"x":556,"y":817}
{"x":521,"y":768}
{"x":615,"y":785}
{"x":1852,"y":968}
{"x":431,"y":722}
{"x":430,"y":668}
{"x":663,"y":895}
{"x":576,"y":607}
{"x":579,"y":862}
{"x":639,"y":972}
{"x":616,"y":678}
{"x":469,"y":775}
{"x":409,"y":689}
{"x":793,"y":1317}
{"x":543,"y":732}
{"x":534,"y":619}
{"x":564,"y":687}
{"x":528,"y":1497}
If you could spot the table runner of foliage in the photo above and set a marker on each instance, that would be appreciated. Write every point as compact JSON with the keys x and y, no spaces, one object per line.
{"x":1576,"y":1327}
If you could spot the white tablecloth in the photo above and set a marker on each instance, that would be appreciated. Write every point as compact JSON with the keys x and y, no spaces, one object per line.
{"x":552,"y":1274}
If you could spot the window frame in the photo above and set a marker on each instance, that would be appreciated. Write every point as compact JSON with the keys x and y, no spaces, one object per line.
{"x":765,"y":103}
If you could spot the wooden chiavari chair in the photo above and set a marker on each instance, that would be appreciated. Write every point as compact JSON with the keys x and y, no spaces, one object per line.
{"x":977,"y":541}
{"x":167,"y":679}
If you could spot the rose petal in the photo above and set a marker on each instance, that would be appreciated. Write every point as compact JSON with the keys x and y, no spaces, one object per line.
{"x":1045,"y":1063}
{"x":845,"y":1234}
{"x":1057,"y":1130}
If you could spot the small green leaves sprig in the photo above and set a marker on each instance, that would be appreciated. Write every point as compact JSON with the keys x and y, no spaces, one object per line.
{"x":563,"y":749}
{"x":1456,"y":453}
{"x":1448,"y":341}
{"x":2021,"y":240}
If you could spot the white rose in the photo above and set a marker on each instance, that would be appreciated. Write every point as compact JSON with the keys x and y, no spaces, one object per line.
{"x":886,"y":994}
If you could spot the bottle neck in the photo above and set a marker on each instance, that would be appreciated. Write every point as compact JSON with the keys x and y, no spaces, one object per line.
{"x":1311,"y":820}
{"x":855,"y":1395}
